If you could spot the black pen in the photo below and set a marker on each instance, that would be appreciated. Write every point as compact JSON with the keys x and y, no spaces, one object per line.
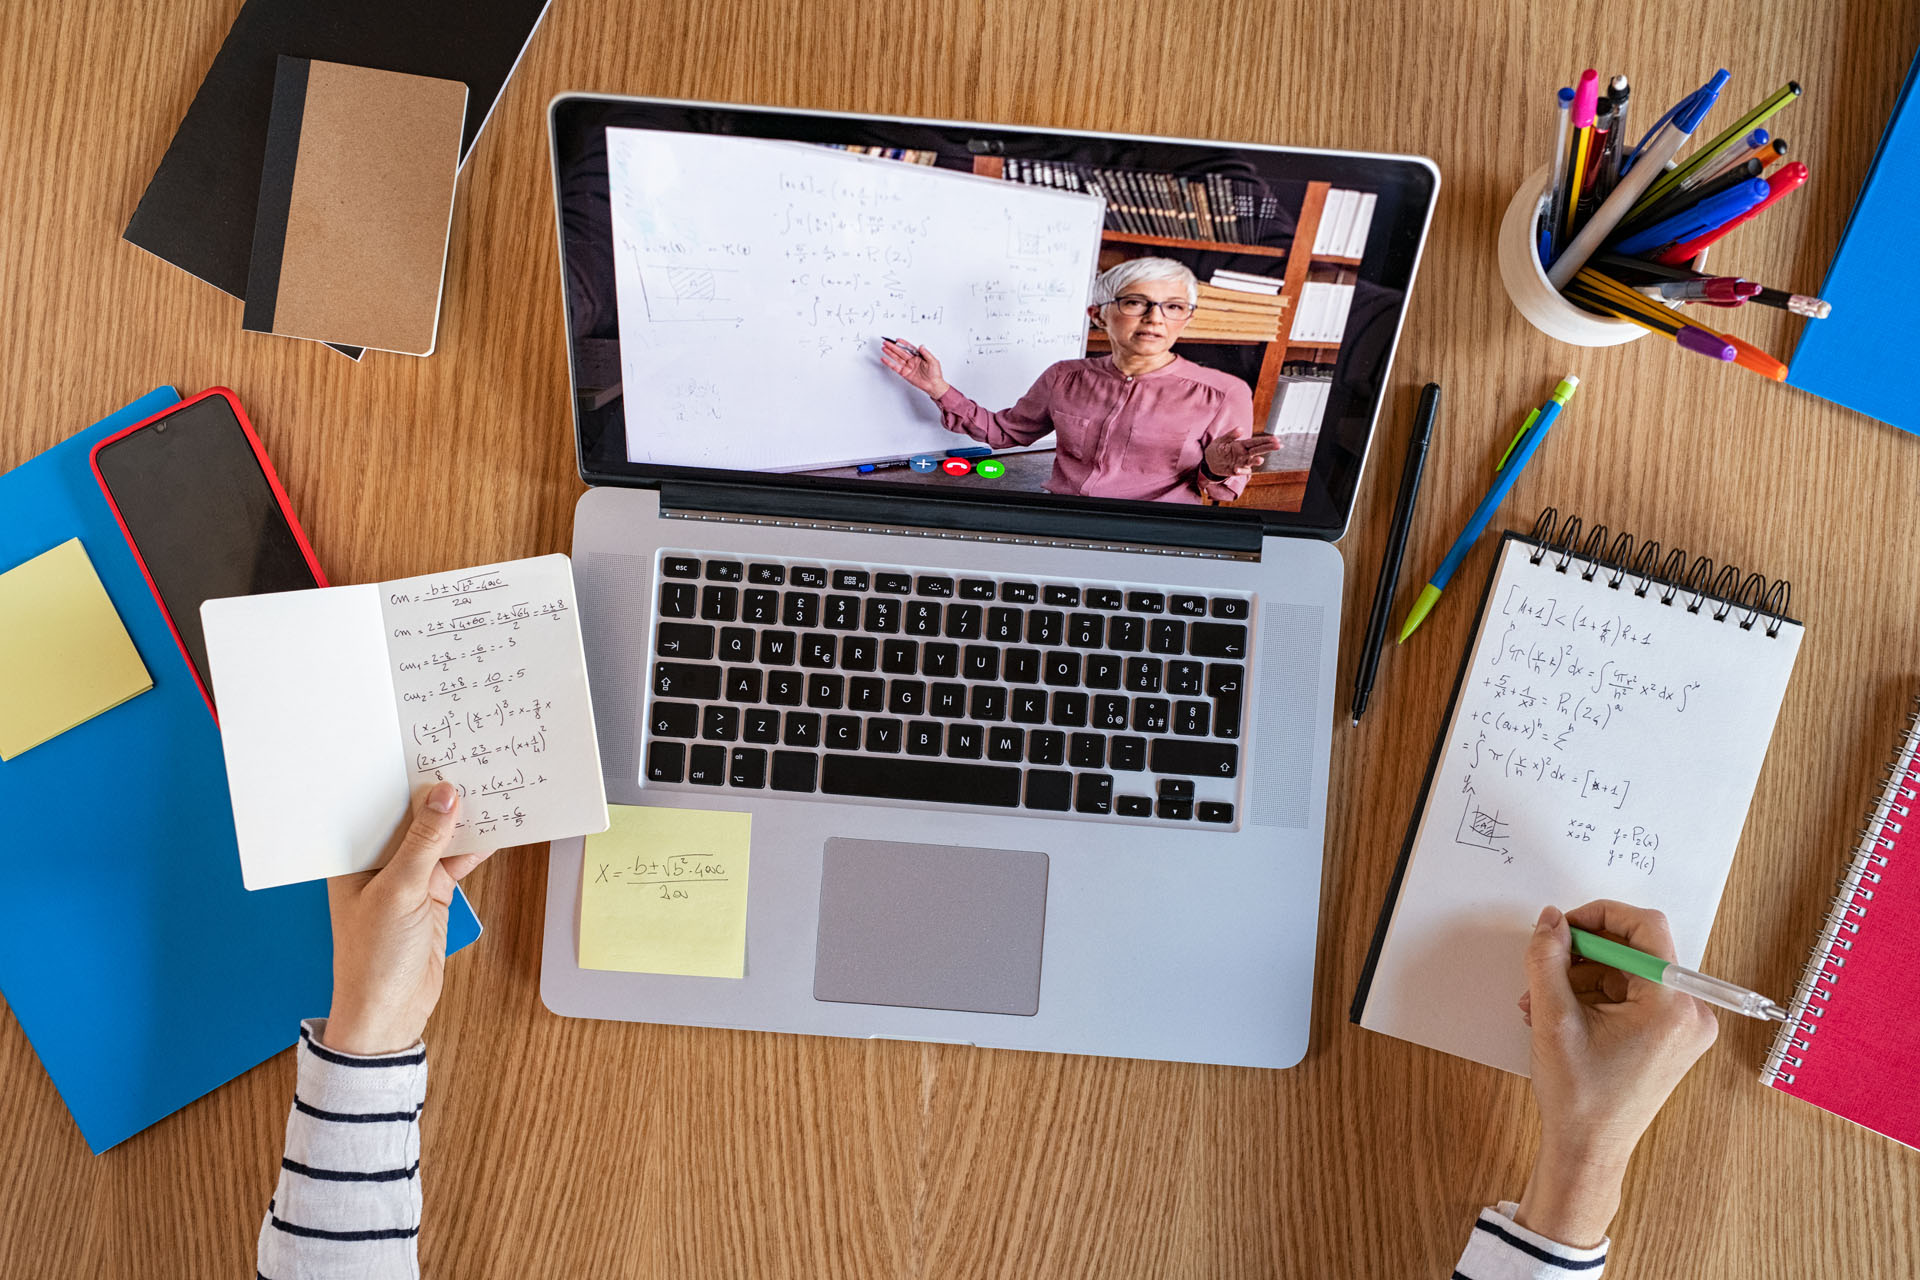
{"x":1416,"y":464}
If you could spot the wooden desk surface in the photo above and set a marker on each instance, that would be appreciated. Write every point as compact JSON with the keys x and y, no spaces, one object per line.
{"x":559,"y":1147}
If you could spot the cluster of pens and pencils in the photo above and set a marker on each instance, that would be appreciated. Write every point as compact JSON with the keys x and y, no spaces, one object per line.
{"x":1625,"y":228}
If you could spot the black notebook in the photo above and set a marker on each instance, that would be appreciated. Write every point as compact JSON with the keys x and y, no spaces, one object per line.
{"x":198,"y":211}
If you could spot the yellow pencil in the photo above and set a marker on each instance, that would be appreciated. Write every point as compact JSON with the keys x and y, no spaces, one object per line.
{"x":1586,"y":97}
{"x":1607,"y":286}
{"x":1691,"y":337}
{"x":1596,"y":301}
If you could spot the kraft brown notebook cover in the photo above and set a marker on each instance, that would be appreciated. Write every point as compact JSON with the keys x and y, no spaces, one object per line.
{"x":356,"y":194}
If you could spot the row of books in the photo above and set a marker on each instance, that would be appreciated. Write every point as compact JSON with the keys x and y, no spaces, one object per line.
{"x":1238,"y":305}
{"x":1322,"y":314}
{"x":1344,"y":223}
{"x":907,"y":154}
{"x":1213,"y":206}
{"x":1247,"y":282}
{"x":1299,"y":403}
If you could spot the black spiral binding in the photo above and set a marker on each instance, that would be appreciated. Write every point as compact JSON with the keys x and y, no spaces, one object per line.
{"x":1751,"y":596}
{"x":1850,"y":903}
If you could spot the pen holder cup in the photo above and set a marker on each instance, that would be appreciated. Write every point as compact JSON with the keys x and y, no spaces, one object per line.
{"x":1526,"y":278}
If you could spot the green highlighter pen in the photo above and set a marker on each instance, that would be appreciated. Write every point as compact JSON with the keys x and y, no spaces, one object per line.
{"x":1668,"y":974}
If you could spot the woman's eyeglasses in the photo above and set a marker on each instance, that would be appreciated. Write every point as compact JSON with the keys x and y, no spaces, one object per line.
{"x":1134,"y":305}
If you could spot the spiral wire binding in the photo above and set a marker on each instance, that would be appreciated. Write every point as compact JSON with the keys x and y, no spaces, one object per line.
{"x":1854,"y":896}
{"x":1747,"y":598}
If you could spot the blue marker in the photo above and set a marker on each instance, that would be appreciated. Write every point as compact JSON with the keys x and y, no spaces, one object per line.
{"x":1476,"y":525}
{"x":982,"y":451}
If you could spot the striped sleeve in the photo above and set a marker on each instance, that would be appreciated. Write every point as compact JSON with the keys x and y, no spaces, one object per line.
{"x":348,"y":1200}
{"x":1502,"y":1249}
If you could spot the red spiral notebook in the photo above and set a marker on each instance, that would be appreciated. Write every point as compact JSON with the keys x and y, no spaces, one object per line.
{"x":1851,"y":1041}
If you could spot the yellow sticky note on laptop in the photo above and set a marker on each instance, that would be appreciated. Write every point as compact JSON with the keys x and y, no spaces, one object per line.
{"x":665,"y":891}
{"x":65,"y":656}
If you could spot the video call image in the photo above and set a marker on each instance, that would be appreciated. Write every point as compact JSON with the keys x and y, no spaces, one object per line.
{"x":952,"y":318}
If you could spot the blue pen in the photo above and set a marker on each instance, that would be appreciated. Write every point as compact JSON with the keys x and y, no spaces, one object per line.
{"x":1697,"y":220}
{"x":1476,"y":525}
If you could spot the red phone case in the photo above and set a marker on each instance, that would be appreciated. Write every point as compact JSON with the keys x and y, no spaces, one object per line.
{"x":273,"y":483}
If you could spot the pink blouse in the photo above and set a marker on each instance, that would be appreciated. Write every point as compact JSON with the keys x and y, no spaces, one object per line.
{"x":1120,"y":437}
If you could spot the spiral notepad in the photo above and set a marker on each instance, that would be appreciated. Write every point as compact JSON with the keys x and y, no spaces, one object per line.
{"x":1851,"y":1041}
{"x":1603,"y":741}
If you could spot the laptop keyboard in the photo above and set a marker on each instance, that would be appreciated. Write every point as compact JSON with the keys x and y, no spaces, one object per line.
{"x":902,"y":684}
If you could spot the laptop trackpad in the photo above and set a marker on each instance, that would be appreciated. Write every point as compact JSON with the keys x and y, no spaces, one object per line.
{"x":930,"y":926}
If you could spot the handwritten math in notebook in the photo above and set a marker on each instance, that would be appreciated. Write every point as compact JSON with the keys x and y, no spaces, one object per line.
{"x":484,"y":666}
{"x":1560,"y":677}
{"x":358,"y":698}
{"x":1603,"y":744}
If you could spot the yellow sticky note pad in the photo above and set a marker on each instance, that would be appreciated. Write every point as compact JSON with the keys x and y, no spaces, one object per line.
{"x":665,"y":891}
{"x":65,"y":656}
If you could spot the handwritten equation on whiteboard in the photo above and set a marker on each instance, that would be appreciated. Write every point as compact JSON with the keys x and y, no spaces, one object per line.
{"x":490,"y":680}
{"x":794,"y":261}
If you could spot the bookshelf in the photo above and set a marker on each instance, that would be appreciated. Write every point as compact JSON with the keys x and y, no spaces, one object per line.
{"x":1277,"y":489}
{"x":1210,"y":246}
{"x":1297,"y":267}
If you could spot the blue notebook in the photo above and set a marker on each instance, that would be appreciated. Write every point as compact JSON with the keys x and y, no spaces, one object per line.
{"x":1872,"y":285}
{"x":141,"y":970}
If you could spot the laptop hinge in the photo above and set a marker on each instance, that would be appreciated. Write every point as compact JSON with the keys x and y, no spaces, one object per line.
{"x":1225,"y":533}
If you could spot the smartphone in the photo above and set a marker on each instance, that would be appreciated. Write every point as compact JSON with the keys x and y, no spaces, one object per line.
{"x":204,"y":513}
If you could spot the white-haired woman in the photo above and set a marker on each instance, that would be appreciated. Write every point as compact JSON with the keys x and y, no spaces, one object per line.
{"x":1139,"y":423}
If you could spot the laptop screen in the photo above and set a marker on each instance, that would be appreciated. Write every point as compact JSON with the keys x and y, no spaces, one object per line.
{"x":904,"y":307}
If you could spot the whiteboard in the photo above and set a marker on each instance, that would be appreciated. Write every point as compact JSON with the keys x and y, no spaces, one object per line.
{"x":754,"y":281}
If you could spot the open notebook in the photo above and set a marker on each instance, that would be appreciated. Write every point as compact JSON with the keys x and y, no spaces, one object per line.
{"x":1851,"y":1041}
{"x":1603,"y":741}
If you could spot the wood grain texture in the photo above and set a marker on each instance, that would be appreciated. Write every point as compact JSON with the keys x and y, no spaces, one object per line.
{"x":557,"y":1147}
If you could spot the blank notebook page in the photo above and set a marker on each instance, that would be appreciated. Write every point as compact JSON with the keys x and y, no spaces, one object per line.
{"x":1602,"y":744}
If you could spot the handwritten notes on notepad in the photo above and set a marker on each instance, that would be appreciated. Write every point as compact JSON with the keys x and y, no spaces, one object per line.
{"x":1602,"y":745}
{"x":337,"y":705}
{"x":665,"y":891}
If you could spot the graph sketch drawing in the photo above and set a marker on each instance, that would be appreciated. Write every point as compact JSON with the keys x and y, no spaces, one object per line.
{"x":676,"y":295}
{"x":1481,"y":828}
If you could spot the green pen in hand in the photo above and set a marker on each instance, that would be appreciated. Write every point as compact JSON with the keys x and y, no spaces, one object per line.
{"x":1668,"y":974}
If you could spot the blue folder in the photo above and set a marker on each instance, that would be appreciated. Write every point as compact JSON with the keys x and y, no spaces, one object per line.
{"x":141,"y":970}
{"x":1861,"y":355}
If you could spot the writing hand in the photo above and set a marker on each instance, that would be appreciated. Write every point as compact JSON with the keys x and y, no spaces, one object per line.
{"x":390,"y":934}
{"x":1607,"y":1049}
{"x":1238,"y":455}
{"x":919,"y":367}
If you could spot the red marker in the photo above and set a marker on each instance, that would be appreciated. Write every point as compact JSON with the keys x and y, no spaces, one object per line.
{"x":1779,"y":182}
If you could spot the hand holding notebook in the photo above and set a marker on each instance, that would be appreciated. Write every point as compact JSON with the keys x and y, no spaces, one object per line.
{"x":361,"y":696}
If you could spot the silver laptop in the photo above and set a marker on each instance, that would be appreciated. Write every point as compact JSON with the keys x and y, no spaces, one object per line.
{"x":1033,"y":727}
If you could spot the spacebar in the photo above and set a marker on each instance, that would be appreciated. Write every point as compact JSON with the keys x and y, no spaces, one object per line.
{"x":942,"y":782}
